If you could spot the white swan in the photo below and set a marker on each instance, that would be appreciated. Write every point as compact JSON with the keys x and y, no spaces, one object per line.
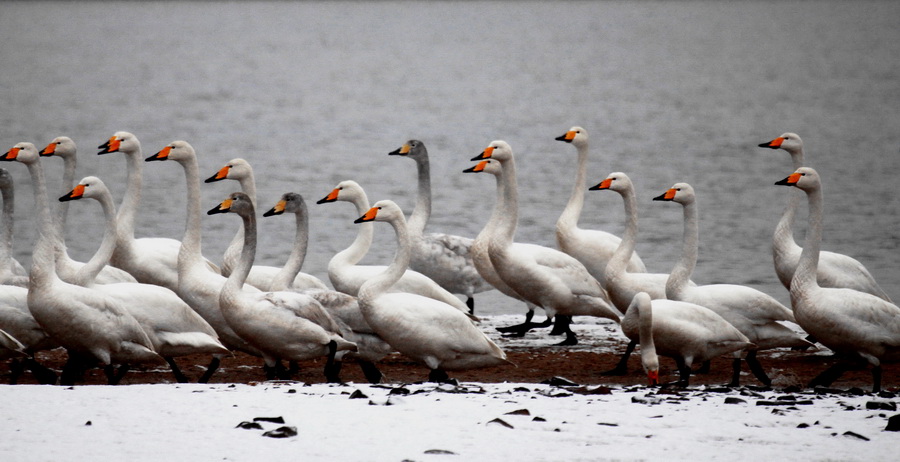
{"x":347,"y":276}
{"x":754,"y":313}
{"x":342,"y":307}
{"x":260,"y":276}
{"x":10,"y":347}
{"x":683,"y":331}
{"x":554,"y":280}
{"x":198,"y":284}
{"x":172,"y":326}
{"x":853,"y":324}
{"x":66,"y":267}
{"x":621,"y":284}
{"x":594,"y":248}
{"x":445,"y":258}
{"x":835,"y":269}
{"x":151,"y":260}
{"x":281,"y":324}
{"x":424,"y":329}
{"x":11,"y":271}
{"x":481,"y":253}
{"x":90,"y":325}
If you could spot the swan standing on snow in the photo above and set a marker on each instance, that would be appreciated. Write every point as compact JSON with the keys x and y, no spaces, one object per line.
{"x":260,"y":276}
{"x":621,"y":284}
{"x":282,"y":324}
{"x":592,"y":247}
{"x":347,"y":276}
{"x":151,"y":260}
{"x":89,"y":324}
{"x":683,"y":331}
{"x":856,"y":325}
{"x":445,"y":258}
{"x":11,"y":271}
{"x":198,"y":284}
{"x":557,"y":282}
{"x":66,"y":267}
{"x":427,"y":330}
{"x":835,"y":269}
{"x":754,"y":313}
{"x":172,"y":326}
{"x":342,"y":307}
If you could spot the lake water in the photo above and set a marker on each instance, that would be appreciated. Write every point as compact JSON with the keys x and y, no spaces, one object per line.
{"x":312,"y":93}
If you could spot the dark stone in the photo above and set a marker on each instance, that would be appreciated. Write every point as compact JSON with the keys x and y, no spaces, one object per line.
{"x":803,"y":425}
{"x":559,"y":382}
{"x":441,"y":452}
{"x":281,"y":432}
{"x":855,"y":435}
{"x":538,"y":419}
{"x":519,"y":412}
{"x":358,"y":395}
{"x":399,"y":391}
{"x":278,"y":420}
{"x":88,"y":423}
{"x":734,"y":400}
{"x":883,"y":405}
{"x":893,"y":424}
{"x":249,"y":426}
{"x":501,"y":422}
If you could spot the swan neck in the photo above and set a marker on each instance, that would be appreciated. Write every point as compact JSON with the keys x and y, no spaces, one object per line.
{"x":570,"y":215}
{"x":132,"y":198}
{"x":381,"y":283}
{"x":684,"y":268}
{"x":68,"y":182}
{"x":43,"y":266}
{"x":360,"y":246}
{"x":648,"y":346}
{"x":233,"y":251}
{"x":286,"y":275}
{"x":623,"y":252}
{"x":509,"y":206}
{"x":418,"y":219}
{"x":248,"y":253}
{"x":6,"y":234}
{"x":806,"y":272}
{"x":191,"y":244}
{"x":88,"y":273}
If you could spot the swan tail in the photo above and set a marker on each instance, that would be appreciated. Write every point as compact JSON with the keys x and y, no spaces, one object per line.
{"x":185,"y":343}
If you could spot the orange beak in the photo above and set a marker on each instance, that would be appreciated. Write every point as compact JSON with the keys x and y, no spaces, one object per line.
{"x":653,"y":378}
{"x":774,"y":144}
{"x":49,"y":150}
{"x":369,"y":216}
{"x":12,"y":154}
{"x":605,"y":184}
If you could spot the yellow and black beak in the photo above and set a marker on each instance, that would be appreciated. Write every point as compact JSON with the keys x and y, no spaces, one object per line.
{"x":76,"y":193}
{"x":774,"y":144}
{"x":49,"y":150}
{"x":479,"y":167}
{"x":223,"y":207}
{"x":11,"y":155}
{"x":486,"y":154}
{"x":401,"y":151}
{"x":220,"y":175}
{"x":790,"y":180}
{"x":331,"y":197}
{"x":369,"y":216}
{"x":110,"y":146}
{"x":666,"y":196}
{"x":605,"y":184}
{"x":568,"y":137}
{"x":161,"y":155}
{"x":277,"y":210}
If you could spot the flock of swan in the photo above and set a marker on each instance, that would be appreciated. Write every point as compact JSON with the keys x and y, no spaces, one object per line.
{"x":148,"y":300}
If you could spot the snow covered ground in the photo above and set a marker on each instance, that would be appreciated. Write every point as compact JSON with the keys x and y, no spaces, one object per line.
{"x":426,"y":422}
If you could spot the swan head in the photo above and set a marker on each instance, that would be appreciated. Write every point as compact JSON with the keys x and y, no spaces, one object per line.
{"x":237,"y":202}
{"x":414,"y":149}
{"x":788,"y":141}
{"x":179,"y":151}
{"x":385,"y":210}
{"x":235,"y":169}
{"x":23,"y":152}
{"x":289,"y":203}
{"x":347,"y":190}
{"x":805,"y":178}
{"x":89,"y":187}
{"x":499,"y":150}
{"x":616,"y":181}
{"x":681,"y":193}
{"x":61,"y":146}
{"x":487,"y":166}
{"x":576,"y":135}
{"x":121,"y":142}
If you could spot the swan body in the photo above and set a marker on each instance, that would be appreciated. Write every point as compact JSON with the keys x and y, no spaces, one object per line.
{"x":852,"y":323}
{"x":427,"y":330}
{"x":11,"y":271}
{"x":686,"y":332}
{"x":445,"y":258}
{"x":151,"y":260}
{"x":260,"y":276}
{"x":17,"y":320}
{"x":555,"y":281}
{"x":348,"y":277}
{"x":281,"y":324}
{"x":67,"y":268}
{"x":173,"y":327}
{"x":835,"y":269}
{"x":87,"y":323}
{"x":593,"y":248}
{"x":198,"y":285}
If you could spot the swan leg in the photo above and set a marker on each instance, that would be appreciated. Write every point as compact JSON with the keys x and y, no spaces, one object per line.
{"x":519,"y":330}
{"x":43,"y":374}
{"x":210,"y":370}
{"x":440,"y":376}
{"x":684,"y":372}
{"x":176,"y":371}
{"x":276,"y":372}
{"x":735,"y":371}
{"x":332,"y":367}
{"x":73,"y":370}
{"x":370,"y":370}
{"x":562,"y":325}
{"x":704,"y":368}
{"x":470,"y":302}
{"x":622,"y":367}
{"x":757,"y":369}
{"x":876,"y":379}
{"x":293,"y":367}
{"x":566,"y":322}
{"x":831,"y":374}
{"x":113,"y":375}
